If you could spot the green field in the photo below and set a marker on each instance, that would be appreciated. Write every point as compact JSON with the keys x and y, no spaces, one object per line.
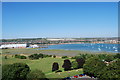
{"x":45,"y":65}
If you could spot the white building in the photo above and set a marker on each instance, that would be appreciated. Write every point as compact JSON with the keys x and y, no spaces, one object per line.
{"x":14,"y":46}
{"x":34,"y":46}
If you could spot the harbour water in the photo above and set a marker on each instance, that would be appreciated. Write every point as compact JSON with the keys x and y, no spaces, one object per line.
{"x":93,"y":47}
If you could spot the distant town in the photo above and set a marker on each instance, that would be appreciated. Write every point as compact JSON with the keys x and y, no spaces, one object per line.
{"x":37,"y":42}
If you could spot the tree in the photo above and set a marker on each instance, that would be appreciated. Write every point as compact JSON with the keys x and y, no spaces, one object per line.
{"x":110,"y":72}
{"x":36,"y":75}
{"x":109,"y":58}
{"x":74,"y":65}
{"x":67,"y":65}
{"x":117,"y":55}
{"x":80,"y":62}
{"x":55,"y":66}
{"x":93,"y":66}
{"x":16,"y":71}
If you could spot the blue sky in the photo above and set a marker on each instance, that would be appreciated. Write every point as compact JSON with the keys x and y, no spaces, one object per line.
{"x":59,"y":19}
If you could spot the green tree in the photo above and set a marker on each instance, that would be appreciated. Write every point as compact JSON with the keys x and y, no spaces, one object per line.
{"x":80,"y":62}
{"x":109,"y":58}
{"x":55,"y":66}
{"x":110,"y":72}
{"x":67,"y":65}
{"x":117,"y":55}
{"x":16,"y":71}
{"x":93,"y":66}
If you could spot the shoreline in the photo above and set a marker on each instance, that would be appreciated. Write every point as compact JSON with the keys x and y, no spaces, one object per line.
{"x":81,"y":43}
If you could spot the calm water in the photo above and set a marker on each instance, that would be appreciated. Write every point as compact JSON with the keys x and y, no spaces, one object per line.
{"x":87,"y":47}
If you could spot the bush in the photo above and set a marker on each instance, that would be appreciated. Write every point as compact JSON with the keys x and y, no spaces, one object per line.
{"x":55,"y":66}
{"x":34,"y":56}
{"x":67,"y":65}
{"x":5,"y":57}
{"x":20,"y":57}
{"x":23,"y":57}
{"x":37,"y":56}
{"x":64,"y":57}
{"x":54,"y":56}
{"x":74,"y":65}
{"x":36,"y":75}
{"x":16,"y":71}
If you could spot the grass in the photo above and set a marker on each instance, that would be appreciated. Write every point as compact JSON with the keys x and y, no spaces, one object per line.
{"x":44,"y":64}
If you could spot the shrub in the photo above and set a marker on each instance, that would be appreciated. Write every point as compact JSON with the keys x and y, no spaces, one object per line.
{"x":23,"y":57}
{"x":5,"y":57}
{"x":36,"y":75}
{"x":64,"y":57}
{"x":55,"y":66}
{"x":20,"y":57}
{"x":37,"y":56}
{"x":34,"y":56}
{"x":16,"y":71}
{"x":74,"y":65}
{"x":67,"y":65}
{"x":54,"y":56}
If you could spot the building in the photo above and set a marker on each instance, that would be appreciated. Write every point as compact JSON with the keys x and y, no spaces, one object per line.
{"x":13,"y":46}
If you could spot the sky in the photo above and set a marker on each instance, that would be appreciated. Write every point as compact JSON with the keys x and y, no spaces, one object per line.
{"x":59,"y":19}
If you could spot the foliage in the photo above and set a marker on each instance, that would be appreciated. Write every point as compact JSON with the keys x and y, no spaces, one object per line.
{"x":5,"y":57}
{"x":54,"y":56}
{"x":110,"y":72}
{"x":83,"y":56}
{"x":55,"y":66}
{"x":36,"y":75}
{"x":37,"y":56}
{"x":64,"y":57}
{"x":109,"y":58}
{"x":67,"y":65}
{"x":117,"y":55}
{"x":93,"y":66}
{"x":80,"y":62}
{"x":74,"y":65}
{"x":16,"y":71}
{"x":20,"y":57}
{"x":34,"y":56}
